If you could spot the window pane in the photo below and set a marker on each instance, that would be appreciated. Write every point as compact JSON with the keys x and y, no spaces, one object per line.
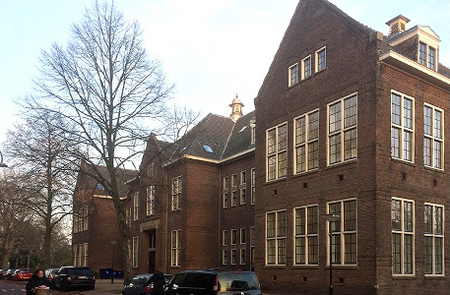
{"x":313,"y":126}
{"x":300,"y":251}
{"x":335,"y":148}
{"x":407,"y":113}
{"x":350,"y":112}
{"x":281,"y":224}
{"x":350,"y":215}
{"x":336,"y":248}
{"x":271,"y":252}
{"x":321,"y":55}
{"x":408,"y":254}
{"x":335,"y":208}
{"x":350,"y":248}
{"x":438,"y":255}
{"x":395,"y":109}
{"x":407,"y":146}
{"x":313,"y":155}
{"x":301,"y":164}
{"x":271,"y":225}
{"x":396,"y":215}
{"x":307,"y":67}
{"x":300,"y":130}
{"x":438,"y":221}
{"x":313,"y":250}
{"x":396,"y":253}
{"x":271,"y":141}
{"x":427,"y":151}
{"x":282,"y":137}
{"x":428,"y":255}
{"x":408,"y":225}
{"x":282,"y":251}
{"x":282,"y":165}
{"x":313,"y":220}
{"x":395,"y":143}
{"x":271,"y":168}
{"x":437,"y":124}
{"x":350,"y":144}
{"x":422,"y":53}
{"x":294,"y":75}
{"x":431,"y":57}
{"x":428,"y":219}
{"x":335,"y":117}
{"x":427,"y":121}
{"x":300,"y":221}
{"x":437,"y":154}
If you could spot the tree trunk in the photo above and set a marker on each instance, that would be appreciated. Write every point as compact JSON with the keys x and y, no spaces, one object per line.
{"x":8,"y":249}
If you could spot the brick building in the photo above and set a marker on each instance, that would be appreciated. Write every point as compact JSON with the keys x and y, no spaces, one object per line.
{"x":358,"y":131}
{"x":95,"y":221}
{"x":350,"y":122}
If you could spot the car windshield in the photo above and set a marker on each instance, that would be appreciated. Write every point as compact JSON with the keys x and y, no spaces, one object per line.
{"x":235,"y":281}
{"x":140,"y":279}
{"x":25,"y":271}
{"x":77,"y":271}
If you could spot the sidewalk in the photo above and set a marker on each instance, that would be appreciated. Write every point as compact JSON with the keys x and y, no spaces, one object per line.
{"x":102,"y":287}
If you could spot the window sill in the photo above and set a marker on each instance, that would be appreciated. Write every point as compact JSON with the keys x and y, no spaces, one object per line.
{"x":429,"y":168}
{"x":340,"y":266}
{"x":403,"y":161}
{"x":275,"y":180}
{"x":351,"y":161}
{"x":280,"y":266}
{"x":312,"y":171}
{"x":305,"y":266}
{"x":406,"y":277}
{"x":435,"y":277}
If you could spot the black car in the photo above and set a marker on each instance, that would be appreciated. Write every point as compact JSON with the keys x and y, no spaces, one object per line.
{"x":140,"y":284}
{"x":214,"y":282}
{"x":2,"y":273}
{"x":10,"y":272}
{"x":69,"y":277}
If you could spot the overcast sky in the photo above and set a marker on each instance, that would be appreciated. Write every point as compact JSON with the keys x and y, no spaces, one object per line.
{"x":210,"y":49}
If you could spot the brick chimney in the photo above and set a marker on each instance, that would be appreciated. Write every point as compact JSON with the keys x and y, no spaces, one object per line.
{"x":397,"y":25}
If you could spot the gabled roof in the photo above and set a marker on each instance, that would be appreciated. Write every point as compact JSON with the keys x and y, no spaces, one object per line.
{"x":240,"y":137}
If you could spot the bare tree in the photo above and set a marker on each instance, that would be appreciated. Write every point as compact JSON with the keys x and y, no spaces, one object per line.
{"x":44,"y":156}
{"x":104,"y":83}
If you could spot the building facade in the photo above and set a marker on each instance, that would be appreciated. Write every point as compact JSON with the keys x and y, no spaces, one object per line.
{"x":348,"y":122}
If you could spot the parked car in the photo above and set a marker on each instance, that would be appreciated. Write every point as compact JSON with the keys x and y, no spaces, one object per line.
{"x":22,"y":274}
{"x":140,"y":284}
{"x":2,"y":273}
{"x":10,"y":272}
{"x":214,"y":282}
{"x":69,"y":277}
{"x":50,"y":273}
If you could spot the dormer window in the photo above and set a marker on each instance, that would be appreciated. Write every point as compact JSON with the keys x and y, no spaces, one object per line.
{"x":427,"y":56}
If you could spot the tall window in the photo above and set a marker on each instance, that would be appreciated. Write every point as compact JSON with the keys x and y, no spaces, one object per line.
{"x":433,"y":142}
{"x":321,"y":59}
{"x":233,"y":256}
{"x":342,"y":129}
{"x":224,"y":256}
{"x":431,"y":58}
{"x":242,"y":256}
{"x":402,"y":123}
{"x":306,"y":235}
{"x":234,"y":193}
{"x":434,"y":239}
{"x":253,"y":195}
{"x":277,"y":152}
{"x":242,"y":236}
{"x":225,"y":192}
{"x":85,"y":254}
{"x":243,"y":188}
{"x":422,"y":53}
{"x":136,"y":205}
{"x":306,"y":67}
{"x":233,"y":237}
{"x":151,"y":200}
{"x":75,"y":255}
{"x":293,"y":75}
{"x":402,"y":217}
{"x":176,"y":193}
{"x":306,"y":142}
{"x":175,"y":248}
{"x":135,"y":252}
{"x":343,"y":232}
{"x":224,"y":238}
{"x":276,"y":238}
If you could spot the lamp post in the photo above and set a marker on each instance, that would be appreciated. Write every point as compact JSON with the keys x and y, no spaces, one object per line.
{"x":2,"y":165}
{"x":113,"y":243}
{"x":331,"y":218}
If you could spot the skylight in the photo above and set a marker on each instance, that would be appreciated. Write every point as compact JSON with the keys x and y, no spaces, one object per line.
{"x":208,"y":148}
{"x":242,"y":129}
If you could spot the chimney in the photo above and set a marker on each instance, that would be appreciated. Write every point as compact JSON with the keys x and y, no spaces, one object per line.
{"x":397,"y":25}
{"x":236,"y":109}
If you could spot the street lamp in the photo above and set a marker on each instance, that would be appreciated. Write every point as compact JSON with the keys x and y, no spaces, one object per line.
{"x":2,"y":165}
{"x":113,"y":243}
{"x":331,"y":218}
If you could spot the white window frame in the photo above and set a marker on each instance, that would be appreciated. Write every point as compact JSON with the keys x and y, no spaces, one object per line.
{"x":402,"y":232}
{"x":135,"y":253}
{"x":306,"y":235}
{"x":433,"y":138}
{"x":233,"y":256}
{"x":242,"y":256}
{"x":225,"y":192}
{"x":253,"y":190}
{"x":177,"y":190}
{"x":136,"y":206}
{"x":403,"y":129}
{"x":253,"y":132}
{"x":277,"y":238}
{"x":277,"y":151}
{"x":291,"y":76}
{"x":224,"y":238}
{"x":307,"y":142}
{"x":342,"y":130}
{"x":316,"y":59}
{"x":175,"y":248}
{"x":427,"y":55}
{"x":75,"y":255}
{"x":151,"y":191}
{"x":342,"y":232}
{"x":242,"y":236}
{"x":303,"y":77}
{"x":243,"y":188}
{"x":433,"y":235}
{"x":224,"y":256}
{"x":85,"y":254}
{"x":233,"y":237}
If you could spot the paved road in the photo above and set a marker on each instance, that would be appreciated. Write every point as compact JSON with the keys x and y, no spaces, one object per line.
{"x":13,"y":288}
